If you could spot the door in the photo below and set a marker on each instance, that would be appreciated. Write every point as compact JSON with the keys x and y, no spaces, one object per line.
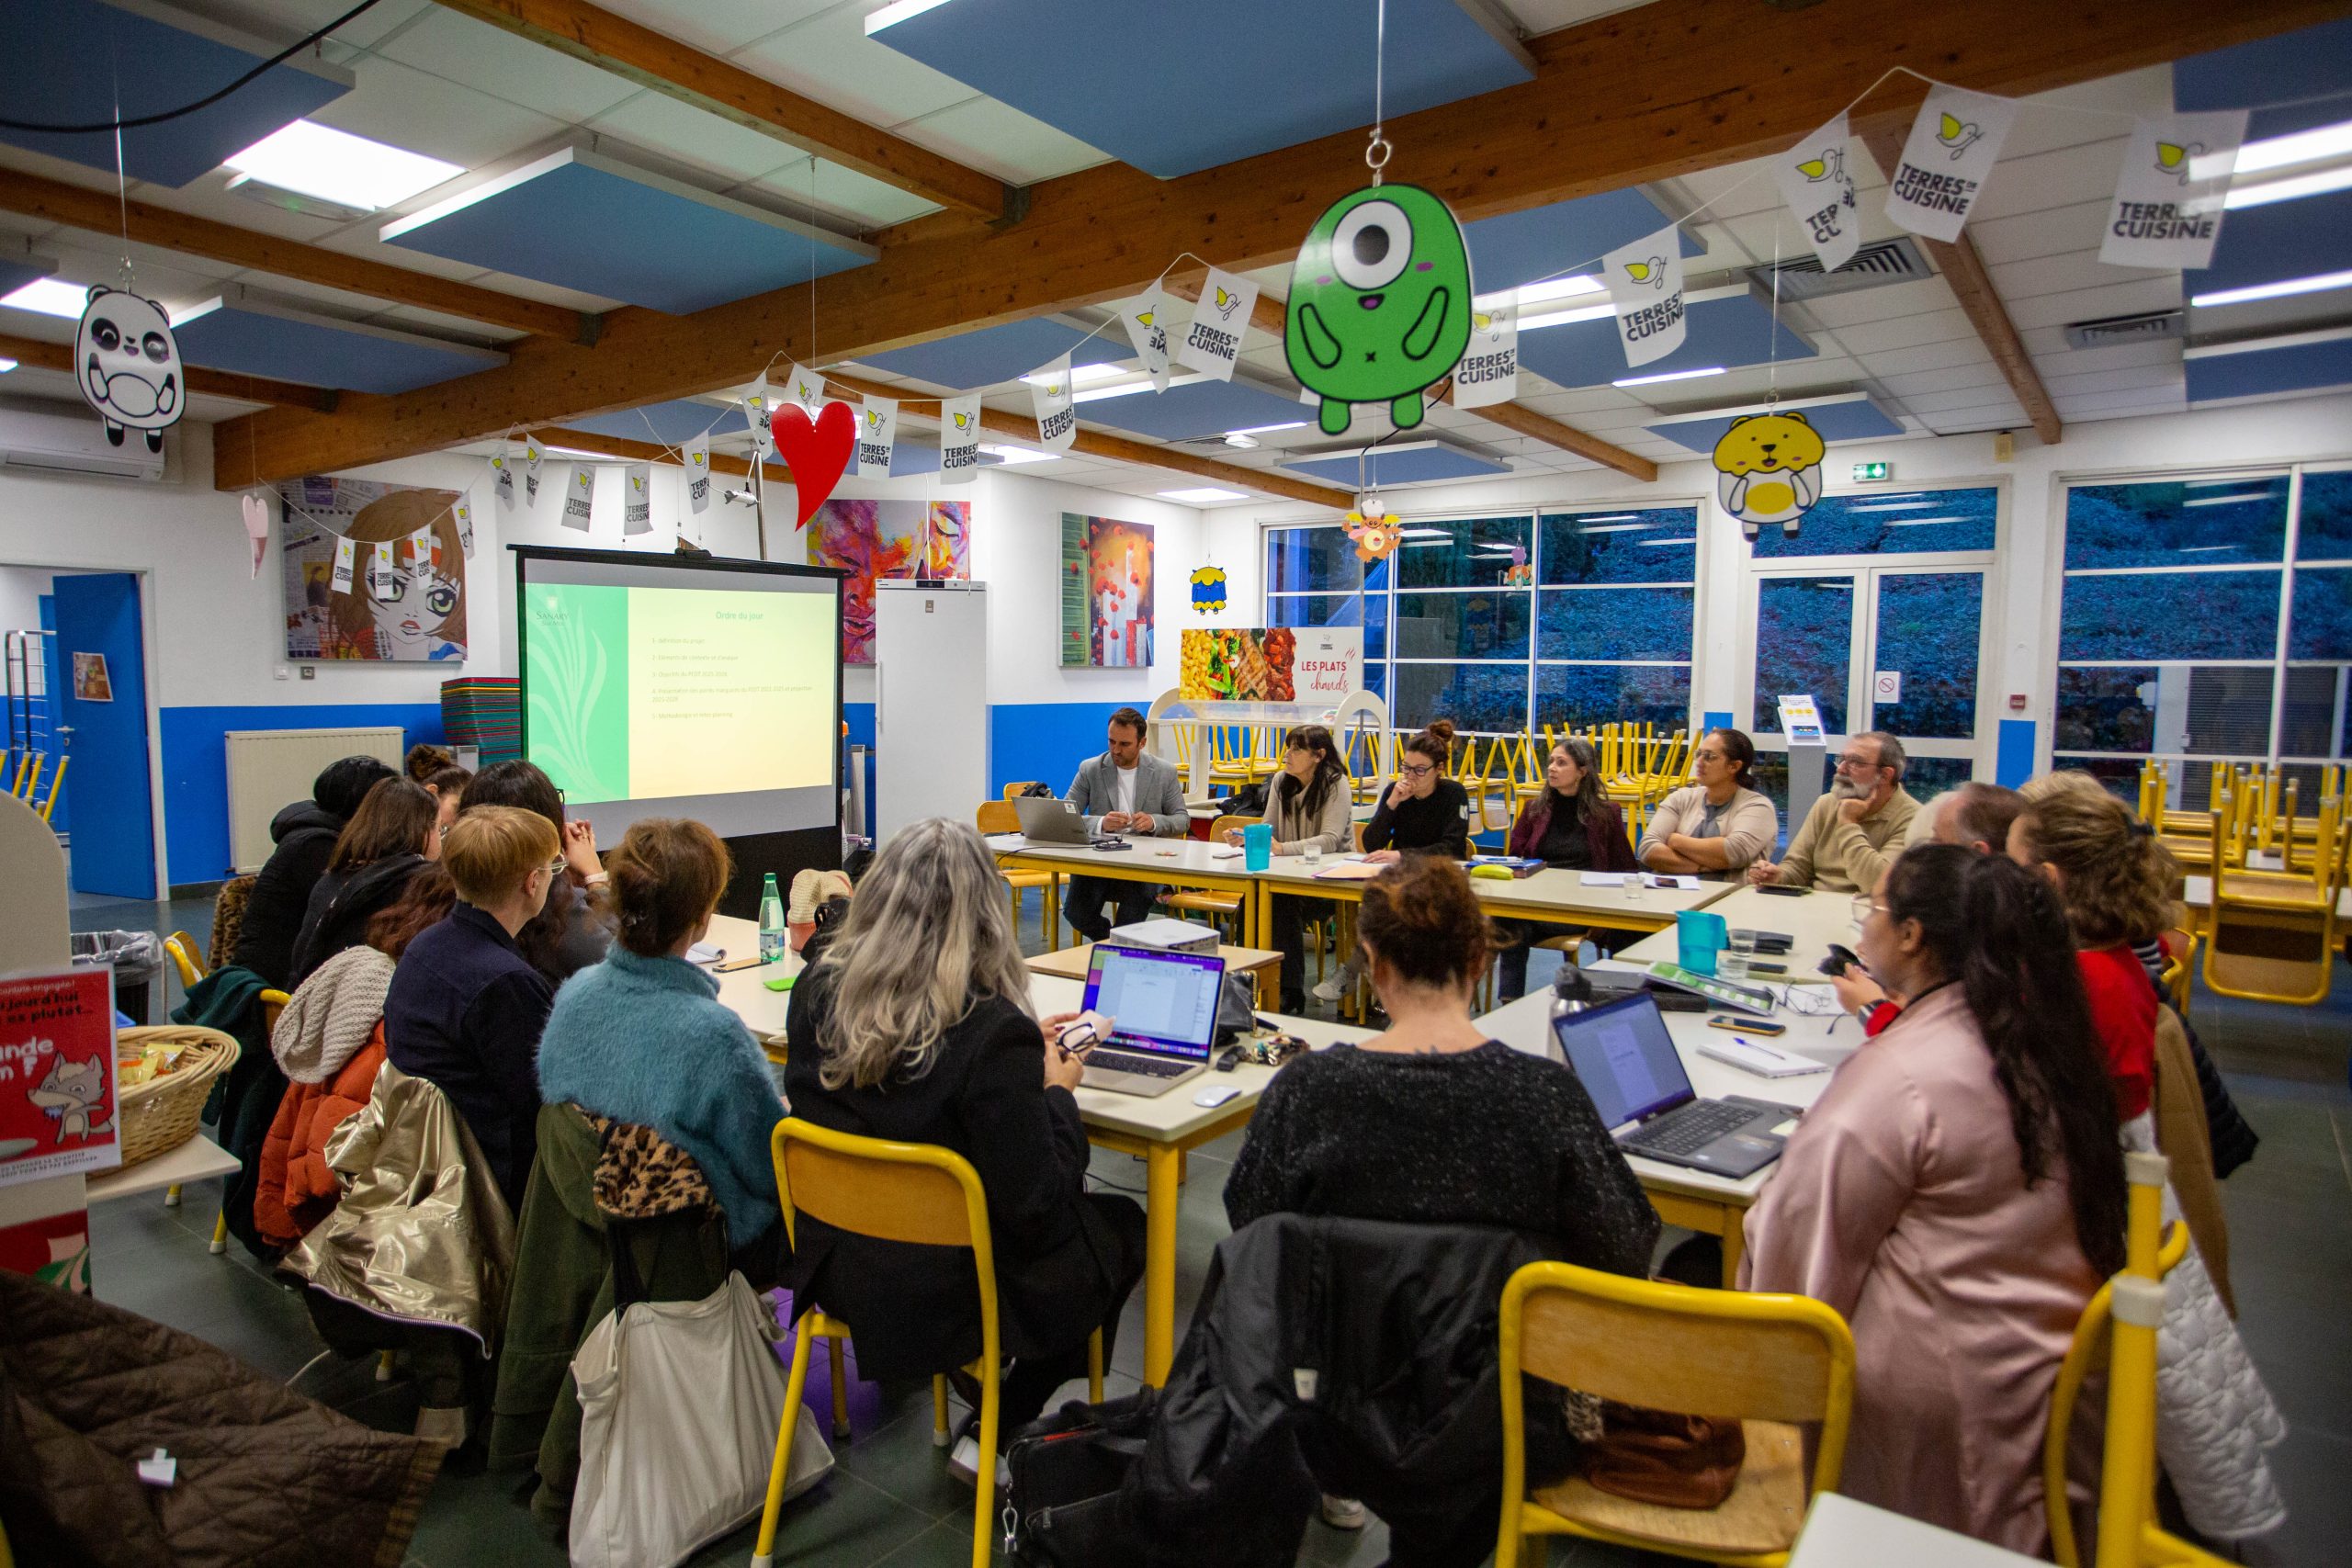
{"x":1895,"y":649}
{"x":102,"y":727}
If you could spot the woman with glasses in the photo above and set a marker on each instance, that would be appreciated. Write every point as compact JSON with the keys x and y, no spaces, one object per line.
{"x":466,"y":1008}
{"x":1570,"y":826}
{"x":389,"y":838}
{"x":1717,"y":825}
{"x":1423,"y":810}
{"x":568,"y":935}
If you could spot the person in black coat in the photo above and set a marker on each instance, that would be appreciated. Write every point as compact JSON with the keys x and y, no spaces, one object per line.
{"x":389,"y":838}
{"x":913,"y":1025}
{"x":304,"y":833}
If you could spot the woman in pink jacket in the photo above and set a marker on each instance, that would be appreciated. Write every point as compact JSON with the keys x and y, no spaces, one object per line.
{"x":1957,"y":1194}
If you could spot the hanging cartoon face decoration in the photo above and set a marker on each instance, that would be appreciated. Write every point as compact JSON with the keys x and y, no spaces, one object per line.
{"x":1208,"y":589}
{"x":1376,"y":533}
{"x":1379,"y":303}
{"x":1520,"y":573}
{"x":128,"y":365}
{"x":1768,"y":470}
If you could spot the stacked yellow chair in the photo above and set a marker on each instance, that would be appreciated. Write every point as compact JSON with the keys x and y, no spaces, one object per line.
{"x":2272,"y":936}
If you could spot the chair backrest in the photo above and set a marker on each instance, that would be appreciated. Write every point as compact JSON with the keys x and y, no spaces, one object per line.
{"x":998,"y":817}
{"x":1024,"y":788}
{"x":1694,"y":1352}
{"x":182,"y":947}
{"x":1217,"y":828}
{"x":918,"y":1194}
{"x":273,"y":1002}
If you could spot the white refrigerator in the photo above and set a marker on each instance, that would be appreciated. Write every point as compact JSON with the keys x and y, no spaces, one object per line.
{"x":931,"y":702}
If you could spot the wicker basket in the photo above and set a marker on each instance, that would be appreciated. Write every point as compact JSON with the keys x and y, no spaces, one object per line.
{"x":159,"y":1115}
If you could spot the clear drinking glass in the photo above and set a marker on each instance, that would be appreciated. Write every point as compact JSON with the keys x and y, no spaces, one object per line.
{"x":1739,"y":947}
{"x":1313,"y":852}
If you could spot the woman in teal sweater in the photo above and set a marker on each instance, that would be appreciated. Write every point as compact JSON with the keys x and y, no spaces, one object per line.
{"x":643,"y":1037}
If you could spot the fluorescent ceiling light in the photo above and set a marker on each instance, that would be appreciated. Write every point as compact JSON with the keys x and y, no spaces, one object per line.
{"x":1560,"y":288}
{"x":1204,"y":495}
{"x":889,"y":16}
{"x":336,"y":165}
{"x":1423,"y":544}
{"x":1081,"y":375}
{"x":1015,"y":455}
{"x":1562,"y":318}
{"x":1246,"y":442}
{"x":1892,"y":506}
{"x":2293,"y":187}
{"x":2316,"y":284}
{"x":2202,"y":549}
{"x":2216,"y":484}
{"x":579,"y":452}
{"x":1619,"y":527}
{"x":7,"y":365}
{"x":50,"y":297}
{"x":2239,"y":500}
{"x":1669,"y":376}
{"x":1919,"y":521}
{"x":1127,"y":389}
{"x":1616,"y":517}
{"x":2303,"y":147}
{"x":1663,"y":543}
{"x":1424,"y":534}
{"x":1268,"y":429}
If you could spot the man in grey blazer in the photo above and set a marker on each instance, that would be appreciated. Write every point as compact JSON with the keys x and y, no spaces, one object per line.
{"x":1126,"y":790}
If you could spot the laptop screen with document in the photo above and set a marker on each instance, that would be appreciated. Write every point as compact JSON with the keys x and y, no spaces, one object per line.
{"x":1626,"y":1059}
{"x":1160,"y":1004}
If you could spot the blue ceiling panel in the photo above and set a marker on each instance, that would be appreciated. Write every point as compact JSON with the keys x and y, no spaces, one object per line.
{"x":583,"y":221}
{"x":2305,"y":72}
{"x":1733,"y":331}
{"x":1543,"y":242}
{"x":995,"y":355}
{"x":264,"y":338}
{"x":2277,"y":240}
{"x":15,"y":271}
{"x":1416,"y":462}
{"x":62,"y":61}
{"x":670,"y":424}
{"x":2320,"y":359}
{"x":1195,"y":410}
{"x":1113,"y":73}
{"x":1856,"y":418}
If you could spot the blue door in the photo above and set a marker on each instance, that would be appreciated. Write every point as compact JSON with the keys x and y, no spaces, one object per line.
{"x":102,"y":727}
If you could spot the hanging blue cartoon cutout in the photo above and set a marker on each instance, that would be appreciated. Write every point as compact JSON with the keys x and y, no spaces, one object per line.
{"x":1767,"y":470}
{"x":1208,"y":589}
{"x":128,"y":365}
{"x":1379,"y":303}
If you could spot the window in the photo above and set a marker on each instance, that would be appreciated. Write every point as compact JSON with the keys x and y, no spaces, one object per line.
{"x":1892,"y":523}
{"x":2169,"y":638}
{"x":1614,"y":629}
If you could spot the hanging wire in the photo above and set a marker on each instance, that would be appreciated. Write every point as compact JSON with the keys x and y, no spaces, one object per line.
{"x":1377,"y":150}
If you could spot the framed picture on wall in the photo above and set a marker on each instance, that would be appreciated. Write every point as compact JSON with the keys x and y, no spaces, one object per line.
{"x":875,"y":539}
{"x":404,"y":604}
{"x":90,"y":683}
{"x":1107,"y":570}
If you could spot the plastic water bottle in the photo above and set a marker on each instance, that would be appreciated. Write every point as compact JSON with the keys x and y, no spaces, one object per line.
{"x":771,"y":942}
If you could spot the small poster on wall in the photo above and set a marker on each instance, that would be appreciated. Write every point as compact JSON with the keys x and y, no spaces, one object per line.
{"x":1106,"y":592}
{"x":56,"y":1075}
{"x":1317,"y":665}
{"x":874,"y":540}
{"x":415,"y":611}
{"x":90,"y":683}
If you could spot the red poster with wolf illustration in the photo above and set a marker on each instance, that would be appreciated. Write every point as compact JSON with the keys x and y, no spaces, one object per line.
{"x":56,"y":1075}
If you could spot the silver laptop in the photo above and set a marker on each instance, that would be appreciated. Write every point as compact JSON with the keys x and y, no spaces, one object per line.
{"x":1626,"y":1061}
{"x":1162,"y":1008}
{"x":1044,"y":820}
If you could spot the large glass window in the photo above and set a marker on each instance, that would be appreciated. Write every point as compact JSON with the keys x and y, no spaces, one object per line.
{"x":1613,"y":633}
{"x":2168,"y":642}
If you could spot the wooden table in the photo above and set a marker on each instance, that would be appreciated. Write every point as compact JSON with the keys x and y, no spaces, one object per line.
{"x":1191,"y":864}
{"x":1813,"y":917}
{"x":1070,"y":963}
{"x":1697,"y":1200}
{"x":1160,"y":1129}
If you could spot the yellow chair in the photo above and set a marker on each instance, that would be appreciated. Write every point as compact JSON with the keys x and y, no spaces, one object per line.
{"x":1217,"y":906}
{"x":2270,"y":936}
{"x":1773,"y":1360}
{"x":1000,"y":817}
{"x":182,"y":947}
{"x":1015,"y":791}
{"x":273,"y":1002}
{"x":28,"y":779}
{"x":918,"y":1194}
{"x":56,"y":783}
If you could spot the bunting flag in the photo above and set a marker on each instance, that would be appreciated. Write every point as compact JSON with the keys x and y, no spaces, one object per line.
{"x":698,"y":473}
{"x":1644,"y":282}
{"x":1213,"y":342}
{"x":464,"y":512}
{"x":2167,"y":209}
{"x":384,"y":581}
{"x":533,"y":456}
{"x":346,"y":557}
{"x":1946,"y":160}
{"x":959,"y":439}
{"x":758,"y":404}
{"x":877,"y":433}
{"x":256,"y":512}
{"x":1049,"y":393}
{"x":637,"y":499}
{"x":501,"y":479}
{"x":1488,"y":370}
{"x":579,"y":494}
{"x":1146,"y":318}
{"x":422,"y":547}
{"x":1818,"y":186}
{"x":807,"y":388}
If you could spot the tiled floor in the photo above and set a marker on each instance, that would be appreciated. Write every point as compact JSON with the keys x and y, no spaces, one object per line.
{"x":890,"y":1502}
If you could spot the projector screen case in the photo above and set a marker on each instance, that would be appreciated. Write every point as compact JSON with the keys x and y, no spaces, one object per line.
{"x":668,"y":685}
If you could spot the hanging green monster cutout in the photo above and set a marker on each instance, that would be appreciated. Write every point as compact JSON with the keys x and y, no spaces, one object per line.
{"x":1379,"y":303}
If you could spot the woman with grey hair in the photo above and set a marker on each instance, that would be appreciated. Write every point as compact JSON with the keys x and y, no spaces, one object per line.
{"x":916,"y":1026}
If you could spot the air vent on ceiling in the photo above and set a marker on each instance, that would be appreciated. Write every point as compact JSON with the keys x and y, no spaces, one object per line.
{"x":2154,"y":326}
{"x":1873,"y":266}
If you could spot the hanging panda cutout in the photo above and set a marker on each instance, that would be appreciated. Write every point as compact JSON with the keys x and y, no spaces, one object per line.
{"x":128,"y":365}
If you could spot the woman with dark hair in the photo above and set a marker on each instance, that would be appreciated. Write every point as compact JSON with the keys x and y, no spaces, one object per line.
{"x":395,"y":832}
{"x":1716,"y":826}
{"x":425,"y":760}
{"x":1957,"y":1194}
{"x":1308,"y":804}
{"x":305,"y":833}
{"x":1571,"y":825}
{"x":567,"y":935}
{"x":1423,"y":810}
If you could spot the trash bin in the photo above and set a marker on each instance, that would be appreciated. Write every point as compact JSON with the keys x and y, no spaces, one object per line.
{"x":137,"y":958}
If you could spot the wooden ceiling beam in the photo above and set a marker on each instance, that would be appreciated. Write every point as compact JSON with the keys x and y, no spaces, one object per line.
{"x":1971,"y":284}
{"x":100,"y":213}
{"x":211,"y":383}
{"x":623,"y":449}
{"x":661,"y":63}
{"x":1268,"y":315}
{"x":1665,"y":89}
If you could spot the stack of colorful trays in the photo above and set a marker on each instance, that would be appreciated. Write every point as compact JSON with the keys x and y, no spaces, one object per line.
{"x":485,"y":712}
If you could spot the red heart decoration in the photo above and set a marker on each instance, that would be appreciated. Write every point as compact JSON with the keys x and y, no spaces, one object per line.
{"x":817,"y":451}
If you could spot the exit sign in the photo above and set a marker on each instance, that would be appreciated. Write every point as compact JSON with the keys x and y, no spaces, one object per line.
{"x":1865,"y":472}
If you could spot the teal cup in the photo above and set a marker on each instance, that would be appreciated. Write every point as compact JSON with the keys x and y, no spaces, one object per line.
{"x":1700,"y":936}
{"x":1258,"y":847}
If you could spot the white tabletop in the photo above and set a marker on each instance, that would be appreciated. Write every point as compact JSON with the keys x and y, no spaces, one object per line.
{"x":1169,"y":856}
{"x":198,"y":1160}
{"x":1813,"y":917}
{"x":1842,"y":1533}
{"x":1524,"y":1025}
{"x":1565,"y":891}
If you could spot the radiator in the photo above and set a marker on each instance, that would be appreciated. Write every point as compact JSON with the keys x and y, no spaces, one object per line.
{"x":271,"y":768}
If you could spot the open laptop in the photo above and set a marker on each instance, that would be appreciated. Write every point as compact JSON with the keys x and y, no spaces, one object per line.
{"x":1044,"y":820}
{"x":1162,"y":1008}
{"x":1626,"y":1061}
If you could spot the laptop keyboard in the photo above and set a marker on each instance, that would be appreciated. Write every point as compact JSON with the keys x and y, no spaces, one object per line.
{"x":1692,"y":1128}
{"x":1142,"y":1066}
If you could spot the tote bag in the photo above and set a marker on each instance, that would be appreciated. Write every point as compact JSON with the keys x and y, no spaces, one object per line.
{"x":679,"y":1404}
